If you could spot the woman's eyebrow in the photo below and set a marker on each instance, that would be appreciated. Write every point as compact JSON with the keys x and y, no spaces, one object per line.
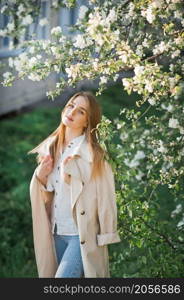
{"x":81,"y":107}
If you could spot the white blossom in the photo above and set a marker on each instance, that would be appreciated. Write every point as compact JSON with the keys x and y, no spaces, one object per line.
{"x":45,"y":44}
{"x":139,"y":175}
{"x":32,"y":50}
{"x":161,"y":147}
{"x":152,"y":101}
{"x":131,"y":10}
{"x":169,"y":107}
{"x":73,"y":70}
{"x":7,"y":75}
{"x":181,"y":223}
{"x":178,"y":40}
{"x":10,"y":62}
{"x":122,"y":186}
{"x":82,"y":11}
{"x":160,"y":48}
{"x":55,"y":3}
{"x":178,"y":14}
{"x":21,"y":9}
{"x":146,"y":132}
{"x":34,"y":77}
{"x":80,"y":41}
{"x":54,"y":50}
{"x":123,"y":136}
{"x":175,"y":53}
{"x":4,"y":8}
{"x":116,"y":76}
{"x":21,"y":61}
{"x":56,"y":68}
{"x":157,"y":3}
{"x":11,"y":26}
{"x":70,"y":51}
{"x":181,"y":129}
{"x":173,"y":123}
{"x":126,"y":83}
{"x":139,"y":50}
{"x":32,"y":61}
{"x":138,"y":70}
{"x":139,"y":155}
{"x":149,"y":86}
{"x":27,"y":20}
{"x":148,"y":14}
{"x":145,"y":43}
{"x":56,"y":30}
{"x":43,"y":22}
{"x":3,"y":33}
{"x":177,"y":210}
{"x":112,"y":16}
{"x":132,"y":163}
{"x":171,"y":67}
{"x":182,"y":152}
{"x":103,"y":79}
{"x":124,"y":57}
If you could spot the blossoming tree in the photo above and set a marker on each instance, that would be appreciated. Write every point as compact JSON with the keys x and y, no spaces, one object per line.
{"x":147,"y":38}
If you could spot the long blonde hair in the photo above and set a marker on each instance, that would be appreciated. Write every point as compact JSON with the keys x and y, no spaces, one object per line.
{"x":91,"y":132}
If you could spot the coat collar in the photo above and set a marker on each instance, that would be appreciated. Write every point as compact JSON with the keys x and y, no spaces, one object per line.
{"x":82,"y":149}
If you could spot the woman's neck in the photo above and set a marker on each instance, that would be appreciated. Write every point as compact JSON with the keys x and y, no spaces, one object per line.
{"x":70,"y":134}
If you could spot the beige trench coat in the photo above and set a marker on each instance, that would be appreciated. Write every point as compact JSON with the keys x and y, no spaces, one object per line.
{"x":94,"y":210}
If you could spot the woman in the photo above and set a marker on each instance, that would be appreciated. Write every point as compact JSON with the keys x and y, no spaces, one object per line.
{"x":73,"y":196}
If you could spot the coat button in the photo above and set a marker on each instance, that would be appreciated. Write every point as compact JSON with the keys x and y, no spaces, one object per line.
{"x":83,"y":183}
{"x":82,"y":242}
{"x":82,"y":212}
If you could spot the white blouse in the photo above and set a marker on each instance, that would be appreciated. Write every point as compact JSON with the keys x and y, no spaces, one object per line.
{"x":61,"y":214}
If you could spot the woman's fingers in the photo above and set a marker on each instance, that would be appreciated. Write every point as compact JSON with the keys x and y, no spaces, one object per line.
{"x":47,"y":160}
{"x":67,"y":159}
{"x":67,"y":178}
{"x":46,"y":164}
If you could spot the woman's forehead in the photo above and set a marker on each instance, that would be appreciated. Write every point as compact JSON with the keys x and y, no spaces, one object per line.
{"x":80,"y":100}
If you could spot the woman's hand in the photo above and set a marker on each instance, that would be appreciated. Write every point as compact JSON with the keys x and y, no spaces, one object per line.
{"x":44,"y":169}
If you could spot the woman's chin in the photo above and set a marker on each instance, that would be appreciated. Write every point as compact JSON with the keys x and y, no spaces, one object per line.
{"x":66,"y":122}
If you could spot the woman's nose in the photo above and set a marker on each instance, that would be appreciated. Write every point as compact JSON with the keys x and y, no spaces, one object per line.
{"x":72,"y":111}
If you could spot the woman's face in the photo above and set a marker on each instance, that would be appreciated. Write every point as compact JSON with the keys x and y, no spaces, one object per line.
{"x":75,"y":114}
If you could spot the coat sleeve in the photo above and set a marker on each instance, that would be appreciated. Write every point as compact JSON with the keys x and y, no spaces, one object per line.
{"x":107,"y":209}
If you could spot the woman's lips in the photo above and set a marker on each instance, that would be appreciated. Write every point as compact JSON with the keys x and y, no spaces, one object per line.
{"x":70,"y":119}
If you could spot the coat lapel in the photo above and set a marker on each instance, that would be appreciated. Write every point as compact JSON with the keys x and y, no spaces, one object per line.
{"x":72,"y":168}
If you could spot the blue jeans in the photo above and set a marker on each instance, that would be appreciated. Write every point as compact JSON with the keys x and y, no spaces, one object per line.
{"x":69,"y":256}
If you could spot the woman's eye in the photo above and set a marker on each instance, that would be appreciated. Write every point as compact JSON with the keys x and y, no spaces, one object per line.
{"x":81,"y":112}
